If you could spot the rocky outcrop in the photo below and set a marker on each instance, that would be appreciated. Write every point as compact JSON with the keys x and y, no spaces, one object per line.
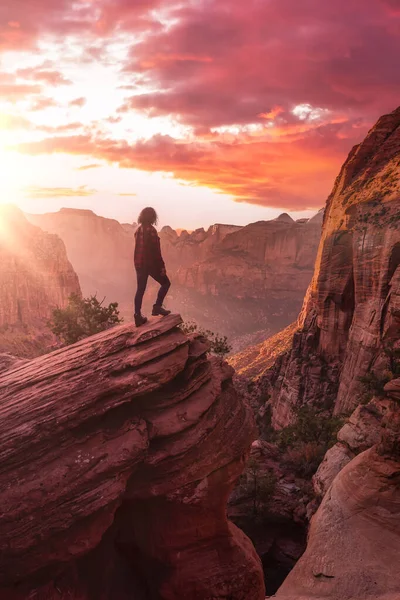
{"x":35,"y":277}
{"x":351,"y":315}
{"x":354,"y":539}
{"x":129,"y":444}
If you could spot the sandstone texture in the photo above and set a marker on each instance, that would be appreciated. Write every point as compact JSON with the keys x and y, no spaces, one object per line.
{"x":117,"y":458}
{"x":254,"y":361}
{"x":354,"y":538}
{"x":350,"y":321}
{"x":35,"y":277}
{"x":260,"y":271}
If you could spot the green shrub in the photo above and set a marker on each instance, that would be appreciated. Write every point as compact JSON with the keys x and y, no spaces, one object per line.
{"x":310,"y":425}
{"x":305,"y":457}
{"x":259,"y":486}
{"x":219,"y":344}
{"x":83,"y":317}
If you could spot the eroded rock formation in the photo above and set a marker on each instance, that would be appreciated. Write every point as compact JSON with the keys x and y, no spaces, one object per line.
{"x":354,"y":538}
{"x":260,"y":271}
{"x":117,"y":457}
{"x":35,"y":277}
{"x":350,"y":320}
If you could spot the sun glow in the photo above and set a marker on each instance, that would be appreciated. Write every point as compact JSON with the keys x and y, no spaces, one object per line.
{"x":11,"y":176}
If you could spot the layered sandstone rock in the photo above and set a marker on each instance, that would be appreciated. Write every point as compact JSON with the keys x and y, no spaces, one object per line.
{"x":351,"y":316}
{"x":35,"y":277}
{"x":354,"y":538}
{"x":269,"y":256}
{"x":362,"y":431}
{"x":129,"y":444}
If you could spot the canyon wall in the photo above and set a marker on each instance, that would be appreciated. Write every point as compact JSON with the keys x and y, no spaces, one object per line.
{"x":101,"y":251}
{"x":260,"y":271}
{"x":350,"y":321}
{"x":129,"y":444}
{"x":35,"y":277}
{"x":354,"y":537}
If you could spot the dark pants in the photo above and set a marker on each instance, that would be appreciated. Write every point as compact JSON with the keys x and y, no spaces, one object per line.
{"x":142,"y":277}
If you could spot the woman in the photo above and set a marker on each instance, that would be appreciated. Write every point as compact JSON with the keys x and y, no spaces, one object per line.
{"x":148,"y":261}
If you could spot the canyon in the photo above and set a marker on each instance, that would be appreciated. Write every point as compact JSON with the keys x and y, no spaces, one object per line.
{"x":350,"y":319}
{"x":129,"y":444}
{"x":260,"y":271}
{"x":35,"y":277}
{"x":341,"y":359}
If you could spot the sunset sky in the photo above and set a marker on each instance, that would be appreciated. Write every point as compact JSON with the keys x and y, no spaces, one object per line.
{"x":212,"y":111}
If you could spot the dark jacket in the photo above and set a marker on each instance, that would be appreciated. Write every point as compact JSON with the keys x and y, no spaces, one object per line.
{"x":148,"y":250}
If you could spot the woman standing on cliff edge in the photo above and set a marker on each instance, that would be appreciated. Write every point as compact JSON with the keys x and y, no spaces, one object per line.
{"x":149,"y":262}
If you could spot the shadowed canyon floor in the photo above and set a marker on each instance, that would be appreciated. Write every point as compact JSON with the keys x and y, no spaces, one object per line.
{"x":129,"y":444}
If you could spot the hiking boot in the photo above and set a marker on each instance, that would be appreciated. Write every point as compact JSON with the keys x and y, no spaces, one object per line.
{"x":159,"y":310}
{"x":140,"y":320}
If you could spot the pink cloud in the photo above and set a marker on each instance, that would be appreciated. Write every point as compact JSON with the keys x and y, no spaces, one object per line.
{"x":13,"y":92}
{"x":42,"y":103}
{"x":341,"y":57}
{"x":295,"y":174}
{"x":46,"y":76}
{"x":79,"y":102}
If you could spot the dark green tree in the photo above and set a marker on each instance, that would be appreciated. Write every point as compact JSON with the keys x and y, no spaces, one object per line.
{"x":83,"y":317}
{"x":219,"y":344}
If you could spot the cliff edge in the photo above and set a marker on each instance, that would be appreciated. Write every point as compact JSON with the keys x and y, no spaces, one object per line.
{"x":117,"y":458}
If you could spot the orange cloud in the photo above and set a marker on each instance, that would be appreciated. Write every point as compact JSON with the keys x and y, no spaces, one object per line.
{"x":46,"y":76}
{"x":87,"y":167}
{"x":57,"y":192}
{"x":293,"y":175}
{"x":78,"y":102}
{"x":273,"y":113}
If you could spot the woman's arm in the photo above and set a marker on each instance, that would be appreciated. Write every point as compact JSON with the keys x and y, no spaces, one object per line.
{"x":155,"y":250}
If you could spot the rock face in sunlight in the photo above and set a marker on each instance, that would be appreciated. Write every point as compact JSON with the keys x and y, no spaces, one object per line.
{"x":100,"y":250}
{"x":350,"y":320}
{"x":35,"y":277}
{"x":354,"y":538}
{"x":260,"y":271}
{"x":129,"y":444}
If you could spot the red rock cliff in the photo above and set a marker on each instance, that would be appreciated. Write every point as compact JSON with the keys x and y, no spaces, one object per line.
{"x":101,"y":251}
{"x":35,"y":277}
{"x":117,"y":457}
{"x":354,"y":538}
{"x":351,"y":314}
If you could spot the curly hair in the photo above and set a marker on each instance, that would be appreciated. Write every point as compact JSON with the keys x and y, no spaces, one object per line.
{"x":148,"y":216}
